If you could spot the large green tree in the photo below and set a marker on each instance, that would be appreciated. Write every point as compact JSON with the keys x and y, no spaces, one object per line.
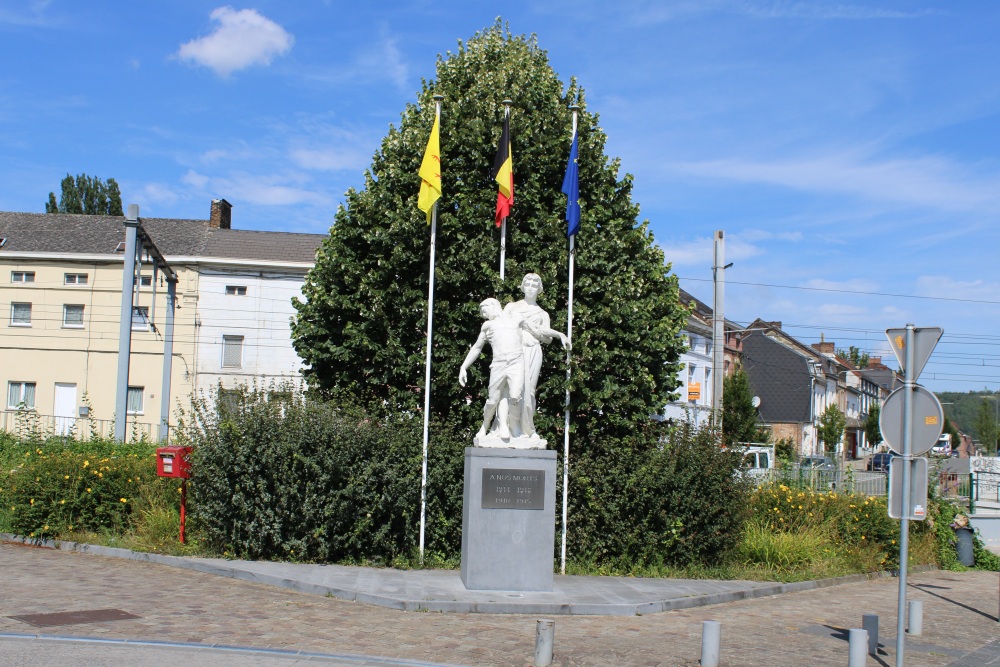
{"x":88,"y":195}
{"x":361,"y":324}
{"x":740,"y":421}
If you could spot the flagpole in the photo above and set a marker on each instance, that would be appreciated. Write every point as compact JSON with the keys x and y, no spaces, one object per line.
{"x":569,"y":335}
{"x":427,"y":365}
{"x":503,"y":223}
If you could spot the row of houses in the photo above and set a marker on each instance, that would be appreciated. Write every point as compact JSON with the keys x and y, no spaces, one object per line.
{"x":61,"y":283}
{"x":794,"y":382}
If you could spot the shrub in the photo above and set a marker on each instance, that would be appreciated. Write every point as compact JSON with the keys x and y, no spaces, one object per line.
{"x":305,"y":480}
{"x":780,"y":550}
{"x":663,"y":496}
{"x":859,"y":525}
{"x":54,"y":489}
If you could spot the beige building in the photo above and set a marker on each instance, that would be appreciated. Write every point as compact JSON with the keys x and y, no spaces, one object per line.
{"x":61,"y":296}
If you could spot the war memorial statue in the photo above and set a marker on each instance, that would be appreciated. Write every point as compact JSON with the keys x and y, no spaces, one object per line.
{"x":515,"y":335}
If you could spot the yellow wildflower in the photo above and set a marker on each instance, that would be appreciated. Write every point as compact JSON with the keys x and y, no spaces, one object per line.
{"x":124,"y":500}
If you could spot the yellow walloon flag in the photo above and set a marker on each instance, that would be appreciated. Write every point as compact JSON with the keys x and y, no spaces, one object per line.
{"x":430,"y":173}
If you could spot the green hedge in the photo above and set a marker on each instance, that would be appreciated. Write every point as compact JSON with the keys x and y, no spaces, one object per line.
{"x":665,"y":496}
{"x":304,"y":480}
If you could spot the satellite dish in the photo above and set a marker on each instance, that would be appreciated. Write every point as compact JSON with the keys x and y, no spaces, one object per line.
{"x":755,"y":402}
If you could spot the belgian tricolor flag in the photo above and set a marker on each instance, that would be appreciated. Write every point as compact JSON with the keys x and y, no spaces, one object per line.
{"x":503,"y":172}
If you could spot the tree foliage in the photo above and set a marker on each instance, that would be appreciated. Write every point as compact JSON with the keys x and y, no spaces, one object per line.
{"x":873,"y":432}
{"x":361,"y":327}
{"x":855,"y":356}
{"x":88,"y":195}
{"x":740,"y":421}
{"x":831,"y":427}
{"x":986,"y":426}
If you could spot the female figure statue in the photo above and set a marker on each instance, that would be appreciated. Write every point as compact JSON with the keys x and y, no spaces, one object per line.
{"x":532,"y":338}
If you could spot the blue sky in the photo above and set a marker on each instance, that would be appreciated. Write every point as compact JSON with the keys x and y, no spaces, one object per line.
{"x":850,"y":150}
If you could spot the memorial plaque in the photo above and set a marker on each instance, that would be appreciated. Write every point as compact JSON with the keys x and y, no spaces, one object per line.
{"x":513,"y":489}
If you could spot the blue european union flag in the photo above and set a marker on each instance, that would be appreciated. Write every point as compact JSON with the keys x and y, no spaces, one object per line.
{"x":571,"y":186}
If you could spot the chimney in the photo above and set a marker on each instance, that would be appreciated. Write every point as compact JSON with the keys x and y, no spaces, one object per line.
{"x":222,"y":214}
{"x":874,"y":361}
{"x":824,"y":347}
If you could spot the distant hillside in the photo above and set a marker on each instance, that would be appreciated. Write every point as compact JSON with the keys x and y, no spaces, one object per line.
{"x":964,"y":408}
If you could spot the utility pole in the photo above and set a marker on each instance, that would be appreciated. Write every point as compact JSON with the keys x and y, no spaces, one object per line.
{"x":137,"y":242}
{"x":718,"y":324}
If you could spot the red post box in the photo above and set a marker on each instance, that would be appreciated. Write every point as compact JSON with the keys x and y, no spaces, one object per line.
{"x":173,"y":462}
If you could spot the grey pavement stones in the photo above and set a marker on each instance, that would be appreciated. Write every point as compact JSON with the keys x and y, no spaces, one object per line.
{"x":443,"y":590}
{"x":808,"y":627}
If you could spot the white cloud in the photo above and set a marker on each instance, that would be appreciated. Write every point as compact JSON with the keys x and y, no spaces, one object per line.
{"x":820,"y":10}
{"x":260,"y":189}
{"x":195,"y":180}
{"x":750,"y":235}
{"x":698,"y":253}
{"x":921,"y":182}
{"x":242,"y":38}
{"x":329,"y":159}
{"x":945,"y":287}
{"x":382,"y":60}
{"x":157,"y":192}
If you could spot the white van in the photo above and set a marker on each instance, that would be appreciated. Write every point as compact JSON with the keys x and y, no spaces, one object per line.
{"x":758,"y":457}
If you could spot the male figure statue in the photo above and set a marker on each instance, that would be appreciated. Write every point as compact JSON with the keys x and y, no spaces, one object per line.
{"x":506,"y":369}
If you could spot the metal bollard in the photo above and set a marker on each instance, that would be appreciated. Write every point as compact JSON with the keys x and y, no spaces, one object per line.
{"x":545,"y":631}
{"x":870,"y":623}
{"x":915,"y":614}
{"x":711,"y":636}
{"x":858,"y":646}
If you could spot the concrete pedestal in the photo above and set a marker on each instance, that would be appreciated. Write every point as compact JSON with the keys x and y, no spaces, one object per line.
{"x":508,"y":519}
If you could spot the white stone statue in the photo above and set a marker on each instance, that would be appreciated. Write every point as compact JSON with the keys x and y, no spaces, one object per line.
{"x":515,"y":335}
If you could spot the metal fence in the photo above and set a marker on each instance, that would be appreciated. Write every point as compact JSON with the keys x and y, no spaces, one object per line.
{"x":824,"y":481}
{"x":27,"y":424}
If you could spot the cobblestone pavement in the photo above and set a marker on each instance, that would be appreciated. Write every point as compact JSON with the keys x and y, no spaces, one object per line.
{"x":807,"y":628}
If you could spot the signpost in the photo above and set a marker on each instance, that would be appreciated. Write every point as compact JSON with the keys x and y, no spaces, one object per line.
{"x":908,"y":428}
{"x":916,"y":508}
{"x":926,"y":420}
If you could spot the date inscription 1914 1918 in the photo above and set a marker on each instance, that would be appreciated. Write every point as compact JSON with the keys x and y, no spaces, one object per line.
{"x":513,"y":489}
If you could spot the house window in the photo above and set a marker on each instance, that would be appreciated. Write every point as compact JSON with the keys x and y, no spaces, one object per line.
{"x":21,"y":394}
{"x":232,"y":351}
{"x":20,"y":314}
{"x":75,"y":279}
{"x":73,"y":315}
{"x":22,"y":276}
{"x":145,"y":281}
{"x":229,"y":402}
{"x":133,"y":404}
{"x":140,"y":318}
{"x":236,"y":290}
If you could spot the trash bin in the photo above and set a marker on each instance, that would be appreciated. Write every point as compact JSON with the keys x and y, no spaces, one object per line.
{"x":963,"y":546}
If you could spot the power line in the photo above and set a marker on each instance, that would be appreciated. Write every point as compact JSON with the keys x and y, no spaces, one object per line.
{"x":845,"y":291}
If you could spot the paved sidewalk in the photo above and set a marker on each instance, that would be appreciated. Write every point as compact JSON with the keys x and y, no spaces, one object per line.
{"x":185,"y":606}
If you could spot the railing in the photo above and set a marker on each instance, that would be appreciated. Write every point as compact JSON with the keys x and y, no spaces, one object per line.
{"x":985,"y":492}
{"x":824,"y":481}
{"x":27,"y":424}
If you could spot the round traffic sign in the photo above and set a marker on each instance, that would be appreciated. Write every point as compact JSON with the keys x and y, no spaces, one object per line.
{"x":927,"y":420}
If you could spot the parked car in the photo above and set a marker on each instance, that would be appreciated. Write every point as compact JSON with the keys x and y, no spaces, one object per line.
{"x":817,"y":463}
{"x":880,"y":462}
